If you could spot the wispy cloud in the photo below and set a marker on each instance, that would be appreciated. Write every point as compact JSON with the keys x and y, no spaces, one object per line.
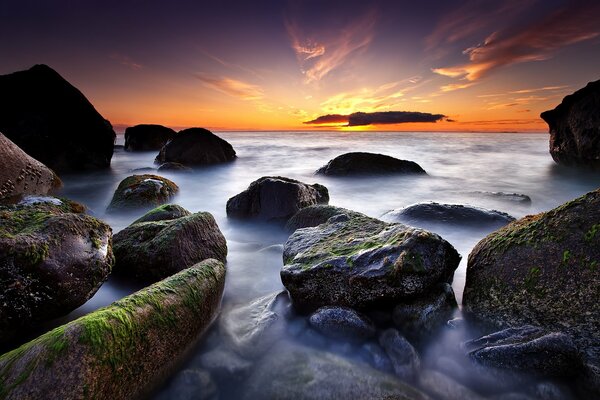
{"x":377,"y":118}
{"x":455,"y":86}
{"x":232,"y":87}
{"x":126,"y":61}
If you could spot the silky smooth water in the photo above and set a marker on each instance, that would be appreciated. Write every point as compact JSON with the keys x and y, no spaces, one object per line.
{"x":459,"y":167}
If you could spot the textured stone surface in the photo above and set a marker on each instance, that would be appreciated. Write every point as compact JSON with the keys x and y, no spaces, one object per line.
{"x":142,"y":192}
{"x":368,"y":164}
{"x":196,"y":147}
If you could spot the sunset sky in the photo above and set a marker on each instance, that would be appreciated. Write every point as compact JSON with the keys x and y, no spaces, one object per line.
{"x":479,"y":65}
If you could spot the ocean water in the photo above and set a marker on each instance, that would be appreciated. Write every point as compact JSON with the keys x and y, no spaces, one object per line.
{"x":461,"y":168}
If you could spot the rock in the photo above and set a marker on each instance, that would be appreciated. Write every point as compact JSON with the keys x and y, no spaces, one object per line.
{"x":226,"y":365}
{"x":342,"y":323}
{"x":166,"y":212}
{"x":363,"y":263}
{"x":52,"y":259}
{"x":292,"y":372}
{"x":455,"y":214}
{"x":173,"y":166}
{"x":575,"y":127}
{"x":541,"y":270}
{"x":510,"y":197}
{"x":315,"y":215}
{"x":22,"y":175}
{"x":377,"y":357}
{"x":142,"y":191}
{"x":142,"y":336}
{"x":528,"y":349}
{"x":191,"y":384}
{"x":368,"y":164}
{"x":147,"y":137}
{"x":588,"y":382}
{"x":53,"y":122}
{"x":442,"y":387}
{"x":196,"y":147}
{"x":425,"y":315}
{"x":275,"y":198}
{"x":150,"y":251}
{"x":404,"y":357}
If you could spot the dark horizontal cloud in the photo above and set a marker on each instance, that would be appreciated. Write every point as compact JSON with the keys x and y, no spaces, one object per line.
{"x":377,"y":118}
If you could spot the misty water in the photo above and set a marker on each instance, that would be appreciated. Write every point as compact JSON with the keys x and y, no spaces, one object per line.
{"x":461,"y":168}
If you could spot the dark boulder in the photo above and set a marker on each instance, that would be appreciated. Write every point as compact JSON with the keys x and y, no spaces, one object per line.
{"x":53,"y":122}
{"x":350,"y":164}
{"x":363,"y":263}
{"x":52,"y":259}
{"x":147,"y":137}
{"x":142,"y":192}
{"x":541,"y":270}
{"x":315,"y":215}
{"x":342,"y":323}
{"x":196,"y":147}
{"x":405,"y":359}
{"x":575,"y":127}
{"x":150,"y":251}
{"x":275,"y":198}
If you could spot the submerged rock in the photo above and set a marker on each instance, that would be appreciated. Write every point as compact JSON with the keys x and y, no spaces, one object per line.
{"x":52,"y":259}
{"x":196,"y":147}
{"x":22,"y":175}
{"x":275,"y":198}
{"x":363,"y":263}
{"x":173,"y":166}
{"x":575,"y":127}
{"x":443,"y":387}
{"x":142,"y":191}
{"x":153,"y":250}
{"x":121,"y":351}
{"x":291,"y":372}
{"x":147,"y":137}
{"x":342,"y":323}
{"x":405,"y":359}
{"x":541,"y":270}
{"x":191,"y":384}
{"x":510,"y":197}
{"x":377,"y":357}
{"x":226,"y":365}
{"x":166,"y":212}
{"x":368,"y":164}
{"x":315,"y":215}
{"x":53,"y":122}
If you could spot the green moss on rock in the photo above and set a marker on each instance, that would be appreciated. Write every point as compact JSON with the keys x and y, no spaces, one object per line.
{"x":142,"y":191}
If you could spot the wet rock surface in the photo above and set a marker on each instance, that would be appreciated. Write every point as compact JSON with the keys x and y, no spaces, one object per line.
{"x":145,"y":137}
{"x":404,"y":357}
{"x":353,"y":164}
{"x":142,"y":192}
{"x":315,"y":215}
{"x":196,"y":147}
{"x":342,"y":323}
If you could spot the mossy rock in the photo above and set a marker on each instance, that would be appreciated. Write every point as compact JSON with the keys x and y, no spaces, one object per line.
{"x":52,"y":259}
{"x":363,"y":263}
{"x":166,"y":212}
{"x":142,"y":192}
{"x":152,"y":250}
{"x":542,"y":270}
{"x":315,"y":215}
{"x":121,"y":351}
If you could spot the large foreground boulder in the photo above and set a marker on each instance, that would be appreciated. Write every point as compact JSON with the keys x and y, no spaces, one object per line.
{"x":542,"y":270}
{"x":22,"y":175}
{"x":147,"y":137}
{"x":368,"y":164}
{"x":53,"y":122}
{"x":363,"y":263}
{"x":196,"y":147}
{"x":154,"y":249}
{"x":142,"y":192}
{"x":52,"y":259}
{"x":275,"y":198}
{"x":122,"y":351}
{"x":575,"y":127}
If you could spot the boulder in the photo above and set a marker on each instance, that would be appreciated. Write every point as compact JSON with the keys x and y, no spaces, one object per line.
{"x":504,"y":196}
{"x":173,"y":166}
{"x":292,"y":372}
{"x":351,"y":164}
{"x":53,"y":122}
{"x":152,"y":250}
{"x":542,"y":270}
{"x":456,"y":214}
{"x":315,"y":215}
{"x":363,"y":263}
{"x":22,"y":175}
{"x":275,"y":198}
{"x":121,"y":351}
{"x":342,"y":323}
{"x":196,"y":147}
{"x":575,"y":127}
{"x":405,"y":359}
{"x":376,"y":357}
{"x":142,"y":191}
{"x":147,"y":137}
{"x":52,"y":259}
{"x":166,"y":212}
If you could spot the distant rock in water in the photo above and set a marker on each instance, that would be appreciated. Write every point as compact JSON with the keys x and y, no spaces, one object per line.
{"x":542,"y":270}
{"x":350,"y":164}
{"x":22,"y":175}
{"x":196,"y":147}
{"x":509,"y":197}
{"x":142,"y":192}
{"x":52,"y":260}
{"x":53,"y":122}
{"x":436,"y":213}
{"x":575,"y":128}
{"x":275,"y":198}
{"x":147,"y":137}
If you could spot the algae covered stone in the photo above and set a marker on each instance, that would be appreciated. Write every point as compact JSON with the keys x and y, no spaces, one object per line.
{"x":121,"y":351}
{"x":315,"y":215}
{"x":142,"y":191}
{"x":152,"y":250}
{"x":165,"y":212}
{"x":52,"y":259}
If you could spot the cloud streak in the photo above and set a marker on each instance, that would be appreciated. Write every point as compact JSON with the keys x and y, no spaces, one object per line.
{"x":377,"y":118}
{"x":232,"y":87}
{"x":126,"y":61}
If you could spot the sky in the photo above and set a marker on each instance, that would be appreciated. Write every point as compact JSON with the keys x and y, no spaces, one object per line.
{"x":305,"y":65}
